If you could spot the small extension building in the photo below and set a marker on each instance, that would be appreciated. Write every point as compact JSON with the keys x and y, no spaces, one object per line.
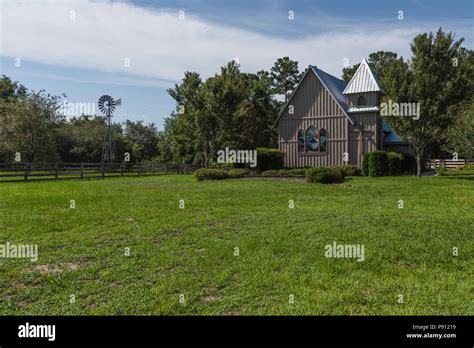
{"x":326,"y":122}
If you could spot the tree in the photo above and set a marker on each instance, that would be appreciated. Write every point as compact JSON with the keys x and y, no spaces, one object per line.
{"x":459,"y":138}
{"x":285,"y":76}
{"x":257,"y":113}
{"x":140,"y":140}
{"x":81,"y":139}
{"x":230,"y":109}
{"x":437,"y":77}
{"x":217,"y":125}
{"x":348,"y":72}
{"x":180,"y":127}
{"x":29,"y":122}
{"x":11,"y":91}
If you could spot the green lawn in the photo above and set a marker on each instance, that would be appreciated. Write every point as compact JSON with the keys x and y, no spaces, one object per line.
{"x":190,"y":251}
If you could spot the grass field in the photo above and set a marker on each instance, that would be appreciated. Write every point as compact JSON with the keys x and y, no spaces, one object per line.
{"x":191,"y":251}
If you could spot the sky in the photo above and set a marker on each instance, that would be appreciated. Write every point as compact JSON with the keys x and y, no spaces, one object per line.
{"x":136,"y":50}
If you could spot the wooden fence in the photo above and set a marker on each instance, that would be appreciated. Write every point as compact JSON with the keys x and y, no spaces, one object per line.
{"x":56,"y":171}
{"x":448,"y":163}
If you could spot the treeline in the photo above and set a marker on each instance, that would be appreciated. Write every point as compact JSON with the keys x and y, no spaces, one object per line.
{"x":237,"y":110}
{"x":231,"y":109}
{"x":33,"y":129}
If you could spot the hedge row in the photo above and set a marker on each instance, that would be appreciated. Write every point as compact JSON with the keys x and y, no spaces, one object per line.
{"x":294,"y":172}
{"x":314,"y":174}
{"x":349,"y":170}
{"x":269,"y":159}
{"x":381,"y":163}
{"x":211,"y":174}
{"x":219,"y":174}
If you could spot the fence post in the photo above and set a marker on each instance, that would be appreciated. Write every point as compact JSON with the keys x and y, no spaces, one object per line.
{"x":102,"y":169}
{"x":138,"y":169}
{"x":56,"y":174}
{"x":82,"y":171}
{"x":26,"y":172}
{"x":121,"y":169}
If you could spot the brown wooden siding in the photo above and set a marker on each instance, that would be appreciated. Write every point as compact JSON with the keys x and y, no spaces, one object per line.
{"x":313,"y":106}
{"x":371,"y":98}
{"x":371,"y":126}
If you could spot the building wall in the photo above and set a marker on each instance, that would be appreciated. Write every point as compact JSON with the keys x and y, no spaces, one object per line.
{"x":371,"y":98}
{"x":371,"y":136}
{"x":314,"y":106}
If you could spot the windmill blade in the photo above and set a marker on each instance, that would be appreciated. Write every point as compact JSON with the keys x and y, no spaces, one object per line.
{"x":107,"y":104}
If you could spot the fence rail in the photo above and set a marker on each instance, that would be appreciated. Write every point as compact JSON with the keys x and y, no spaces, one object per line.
{"x":26,"y":171}
{"x":448,"y":163}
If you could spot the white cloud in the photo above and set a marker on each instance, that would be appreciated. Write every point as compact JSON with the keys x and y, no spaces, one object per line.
{"x":161,"y":46}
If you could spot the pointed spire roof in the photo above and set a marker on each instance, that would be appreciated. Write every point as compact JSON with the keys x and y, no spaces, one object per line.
{"x":364,"y":80}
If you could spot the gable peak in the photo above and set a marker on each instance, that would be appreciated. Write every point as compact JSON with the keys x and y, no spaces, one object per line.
{"x":364,"y":80}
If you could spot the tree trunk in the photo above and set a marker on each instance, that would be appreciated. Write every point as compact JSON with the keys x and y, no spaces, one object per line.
{"x":419,"y":159}
{"x":418,"y":166}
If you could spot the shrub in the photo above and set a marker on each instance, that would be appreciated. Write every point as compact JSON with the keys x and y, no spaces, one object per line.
{"x":350,"y":170}
{"x":211,"y":174}
{"x":339,"y":168}
{"x":365,"y":163}
{"x":324,"y":175}
{"x":441,"y":170}
{"x":467,"y":167}
{"x":238,"y":173}
{"x":298,"y":171}
{"x":294,"y":172}
{"x":394,"y":163}
{"x":378,"y":163}
{"x":268,"y":159}
{"x":272,"y":172}
{"x":224,"y":166}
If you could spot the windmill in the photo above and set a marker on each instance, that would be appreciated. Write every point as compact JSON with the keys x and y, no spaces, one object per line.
{"x":107,"y":106}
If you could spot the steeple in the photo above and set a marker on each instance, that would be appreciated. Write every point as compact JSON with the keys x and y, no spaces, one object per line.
{"x":364,"y":80}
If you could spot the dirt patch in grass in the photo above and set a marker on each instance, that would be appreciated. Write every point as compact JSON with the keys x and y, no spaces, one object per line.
{"x":55,"y":269}
{"x":212,"y":295}
{"x":211,"y":298}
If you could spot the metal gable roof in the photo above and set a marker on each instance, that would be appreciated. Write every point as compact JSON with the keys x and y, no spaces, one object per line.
{"x":390,"y":137}
{"x":334,"y":85}
{"x":364,"y":80}
{"x":356,"y":109}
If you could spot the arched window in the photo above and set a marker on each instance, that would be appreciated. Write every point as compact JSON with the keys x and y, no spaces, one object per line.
{"x":361,"y":101}
{"x":312,"y":139}
{"x":300,"y":141}
{"x":322,"y":140}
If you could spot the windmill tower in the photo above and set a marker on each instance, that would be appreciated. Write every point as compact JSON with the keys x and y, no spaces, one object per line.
{"x":107,"y":106}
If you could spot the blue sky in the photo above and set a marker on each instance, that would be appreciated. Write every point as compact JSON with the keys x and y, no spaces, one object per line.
{"x":81,"y":48}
